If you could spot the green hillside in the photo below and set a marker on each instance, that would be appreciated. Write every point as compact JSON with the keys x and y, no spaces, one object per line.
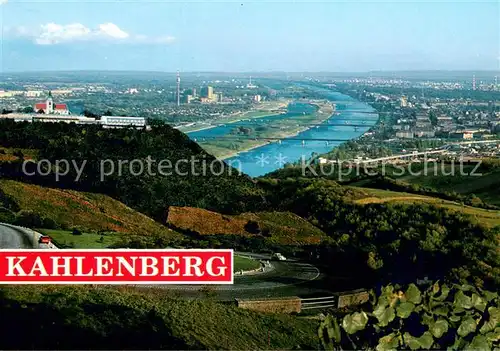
{"x":148,"y":170}
{"x":41,"y":207}
{"x":78,"y":317}
{"x":283,"y":228}
{"x":486,"y":186}
{"x":490,"y":218}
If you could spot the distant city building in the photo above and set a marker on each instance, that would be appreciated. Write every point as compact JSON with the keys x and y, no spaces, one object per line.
{"x":34,"y":93}
{"x":257,"y":98}
{"x":188,"y":99}
{"x":425,"y":134}
{"x":404,"y":101}
{"x":48,"y":107}
{"x":462,"y":135}
{"x":444,"y":120}
{"x":62,"y":92}
{"x":219,"y":97}
{"x":208,"y":92}
{"x":7,"y":94}
{"x":404,"y":135}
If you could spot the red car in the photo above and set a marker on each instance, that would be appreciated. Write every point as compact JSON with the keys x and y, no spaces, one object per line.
{"x":44,"y":239}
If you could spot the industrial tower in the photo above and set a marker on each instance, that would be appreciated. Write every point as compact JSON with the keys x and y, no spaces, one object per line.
{"x":178,"y":89}
{"x":474,"y":82}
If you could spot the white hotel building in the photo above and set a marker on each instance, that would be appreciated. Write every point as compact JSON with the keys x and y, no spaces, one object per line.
{"x":105,"y":121}
{"x":120,"y":122}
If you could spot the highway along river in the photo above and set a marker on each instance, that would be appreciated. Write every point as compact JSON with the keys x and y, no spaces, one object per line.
{"x":318,"y":139}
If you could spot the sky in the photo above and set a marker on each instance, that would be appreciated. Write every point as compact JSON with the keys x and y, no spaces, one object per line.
{"x":245,"y":36}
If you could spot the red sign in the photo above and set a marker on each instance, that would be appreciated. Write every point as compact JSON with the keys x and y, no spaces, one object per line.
{"x":121,"y":266}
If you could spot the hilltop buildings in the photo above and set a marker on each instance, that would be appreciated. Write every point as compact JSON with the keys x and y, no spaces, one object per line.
{"x":49,"y":108}
{"x":105,"y":121}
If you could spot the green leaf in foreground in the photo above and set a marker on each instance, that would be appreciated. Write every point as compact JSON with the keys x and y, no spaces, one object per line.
{"x":354,"y":322}
{"x":445,"y":290}
{"x":439,"y":328}
{"x":494,"y":336}
{"x":478,"y":302}
{"x":479,"y":343}
{"x":424,"y":342}
{"x":413,"y":294}
{"x":462,"y":300}
{"x":405,"y":309}
{"x":388,"y":342}
{"x":468,"y":326}
{"x":384,"y":315}
{"x":493,"y":320}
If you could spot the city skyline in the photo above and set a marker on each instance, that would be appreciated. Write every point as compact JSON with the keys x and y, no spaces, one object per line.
{"x":256,"y":36}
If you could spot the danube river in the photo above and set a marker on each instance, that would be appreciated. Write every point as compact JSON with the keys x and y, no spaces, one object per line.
{"x":270,"y":157}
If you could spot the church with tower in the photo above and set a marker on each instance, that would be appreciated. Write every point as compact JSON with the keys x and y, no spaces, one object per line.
{"x":49,"y":108}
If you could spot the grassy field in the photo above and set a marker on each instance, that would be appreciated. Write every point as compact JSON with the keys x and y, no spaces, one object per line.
{"x":283,"y":228}
{"x":484,"y":184}
{"x":87,"y":211}
{"x":490,"y":218}
{"x":65,"y":238}
{"x":245,"y":264}
{"x":264,"y":109}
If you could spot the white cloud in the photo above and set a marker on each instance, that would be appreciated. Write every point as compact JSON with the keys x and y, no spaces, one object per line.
{"x":52,"y":33}
{"x":112,"y":30}
{"x":3,"y":2}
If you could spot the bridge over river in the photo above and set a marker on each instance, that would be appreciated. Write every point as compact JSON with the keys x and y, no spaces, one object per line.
{"x":351,"y":119}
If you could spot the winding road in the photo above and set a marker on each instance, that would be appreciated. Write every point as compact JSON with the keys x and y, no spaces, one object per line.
{"x":14,"y":237}
{"x":284,"y":278}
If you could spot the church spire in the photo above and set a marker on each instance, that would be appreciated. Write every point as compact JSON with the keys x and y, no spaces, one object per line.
{"x":49,"y":104}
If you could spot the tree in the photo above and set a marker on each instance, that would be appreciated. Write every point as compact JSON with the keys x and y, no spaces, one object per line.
{"x":27,"y":109}
{"x":87,"y":113}
{"x":28,"y":219}
{"x":433,"y":118}
{"x":252,"y":227}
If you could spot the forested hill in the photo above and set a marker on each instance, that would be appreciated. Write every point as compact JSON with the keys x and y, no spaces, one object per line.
{"x":373,"y":241}
{"x":193,"y":184}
